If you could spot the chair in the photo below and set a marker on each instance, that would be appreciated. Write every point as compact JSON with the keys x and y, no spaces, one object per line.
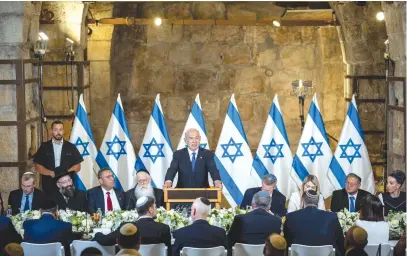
{"x":248,"y":249}
{"x":153,"y":250}
{"x":51,"y":249}
{"x":214,"y":251}
{"x":305,"y":250}
{"x":78,"y":246}
{"x":386,"y":250}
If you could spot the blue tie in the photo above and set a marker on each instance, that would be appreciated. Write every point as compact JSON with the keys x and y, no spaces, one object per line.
{"x":352,"y":204}
{"x":27,"y":204}
{"x":193,"y":161}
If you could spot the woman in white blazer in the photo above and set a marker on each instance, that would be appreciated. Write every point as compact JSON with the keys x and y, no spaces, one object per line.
{"x":310,"y":183}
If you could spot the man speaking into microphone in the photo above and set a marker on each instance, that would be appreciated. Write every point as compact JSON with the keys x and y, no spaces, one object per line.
{"x":192,"y":165}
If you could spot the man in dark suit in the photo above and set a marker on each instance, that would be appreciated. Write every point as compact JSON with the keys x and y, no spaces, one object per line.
{"x":313,"y":227}
{"x":48,"y":229}
{"x":8,"y":233}
{"x":143,"y":188}
{"x":56,"y":154}
{"x":69,"y":197}
{"x":350,"y":197}
{"x":151,"y":232}
{"x":105,"y":196}
{"x":200,"y":234}
{"x":27,"y":197}
{"x":268,"y":185}
{"x":192,"y":165}
{"x":254,"y":227}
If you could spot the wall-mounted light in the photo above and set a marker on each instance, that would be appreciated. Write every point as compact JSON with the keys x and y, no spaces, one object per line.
{"x":41,"y":45}
{"x":276,"y":23}
{"x":380,"y":16}
{"x":158,"y":21}
{"x":301,"y":89}
{"x":69,"y":49}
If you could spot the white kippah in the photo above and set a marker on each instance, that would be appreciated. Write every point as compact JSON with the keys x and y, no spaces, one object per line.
{"x":141,"y":201}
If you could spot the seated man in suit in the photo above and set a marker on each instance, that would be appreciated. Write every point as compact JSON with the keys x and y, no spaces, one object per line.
{"x":313,"y":227}
{"x":268,"y":185}
{"x":350,"y":196}
{"x":192,"y":164}
{"x":48,"y":229}
{"x":69,"y":197}
{"x":200,"y":234}
{"x":254,"y":227}
{"x":27,"y":197}
{"x":8,"y":233}
{"x":129,"y":240}
{"x":151,"y":232}
{"x":143,"y":188}
{"x":105,"y":197}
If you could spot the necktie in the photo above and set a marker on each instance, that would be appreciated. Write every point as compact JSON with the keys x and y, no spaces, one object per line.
{"x":352,"y":204}
{"x":27,"y":204}
{"x":109,"y":202}
{"x":193,"y":161}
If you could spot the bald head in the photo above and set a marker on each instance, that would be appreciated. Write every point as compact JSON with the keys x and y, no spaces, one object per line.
{"x":200,"y":209}
{"x":192,"y":139}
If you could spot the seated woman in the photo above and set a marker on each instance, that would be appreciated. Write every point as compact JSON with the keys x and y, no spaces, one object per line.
{"x":394,"y":199}
{"x":310,"y":183}
{"x":371,"y":219}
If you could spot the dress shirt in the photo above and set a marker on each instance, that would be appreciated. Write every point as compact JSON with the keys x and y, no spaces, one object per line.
{"x":57,"y":152}
{"x":354,"y":202}
{"x":190,"y":154}
{"x":113,"y":197}
{"x":30,"y":201}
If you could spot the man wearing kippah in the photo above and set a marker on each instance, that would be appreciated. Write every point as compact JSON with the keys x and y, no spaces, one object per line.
{"x":129,"y":240}
{"x":276,"y":245}
{"x":355,"y":241}
{"x":313,"y":227}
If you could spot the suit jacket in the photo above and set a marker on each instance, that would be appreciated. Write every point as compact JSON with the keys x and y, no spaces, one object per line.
{"x":199,"y":234}
{"x":277,"y":201}
{"x":188,"y":178}
{"x":15,"y":197}
{"x":8,"y":233}
{"x":130,"y":199}
{"x":48,"y":230}
{"x":78,"y":202}
{"x":45,"y":157}
{"x":314,"y":227}
{"x":340,"y":200}
{"x":1,"y":205}
{"x":97,"y":199}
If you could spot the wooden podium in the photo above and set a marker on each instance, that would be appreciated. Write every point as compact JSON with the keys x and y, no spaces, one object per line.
{"x":188,"y":195}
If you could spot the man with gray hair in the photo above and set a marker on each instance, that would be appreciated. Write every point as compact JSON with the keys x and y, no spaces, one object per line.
{"x":268,"y":185}
{"x":200,"y":234}
{"x":254,"y":227}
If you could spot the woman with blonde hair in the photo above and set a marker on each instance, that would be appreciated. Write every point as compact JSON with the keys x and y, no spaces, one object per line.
{"x":310,"y":183}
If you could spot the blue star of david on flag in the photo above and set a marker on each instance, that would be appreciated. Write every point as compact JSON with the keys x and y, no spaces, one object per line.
{"x":85,"y":151}
{"x":159,"y":153}
{"x":267,"y":148}
{"x":110,"y":145}
{"x":238,"y":152}
{"x":306,"y":146}
{"x":350,"y":144}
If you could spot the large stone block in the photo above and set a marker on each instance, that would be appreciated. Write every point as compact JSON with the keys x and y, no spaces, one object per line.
{"x":184,"y":54}
{"x":11,"y":27}
{"x":100,"y":118}
{"x":101,"y":32}
{"x":156,"y":54}
{"x":210,"y":104}
{"x":100,"y":78}
{"x":249,"y":80}
{"x":12,"y":7}
{"x":246,"y":106}
{"x":236,"y":54}
{"x":9,"y":180}
{"x":151,"y":10}
{"x":209,"y":10}
{"x":8,"y":144}
{"x":196,"y":80}
{"x":164,"y":33}
{"x":195,"y":34}
{"x":226,"y":79}
{"x":227,"y":33}
{"x":176,"y":108}
{"x":182,"y":11}
{"x":292,"y":55}
{"x":239,"y":12}
{"x":285,"y":35}
{"x":138,"y":109}
{"x":99,"y":50}
{"x":267,"y":58}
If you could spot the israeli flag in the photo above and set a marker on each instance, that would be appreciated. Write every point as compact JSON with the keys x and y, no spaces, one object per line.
{"x":155,"y":153}
{"x":351,"y":154}
{"x":314,"y":153}
{"x":82,"y":138}
{"x":273,"y":153}
{"x":116,"y":151}
{"x":233,"y":157}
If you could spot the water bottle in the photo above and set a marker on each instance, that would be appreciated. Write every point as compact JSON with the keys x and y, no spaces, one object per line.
{"x":185,"y":213}
{"x":99,"y":216}
{"x":9,"y":212}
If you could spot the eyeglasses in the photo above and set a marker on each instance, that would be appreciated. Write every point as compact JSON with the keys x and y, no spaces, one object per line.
{"x":65,"y":182}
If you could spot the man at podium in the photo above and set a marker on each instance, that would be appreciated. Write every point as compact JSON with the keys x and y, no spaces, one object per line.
{"x":192,"y":164}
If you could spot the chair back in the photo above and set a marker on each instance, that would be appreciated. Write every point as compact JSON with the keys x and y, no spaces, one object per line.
{"x":214,"y":251}
{"x":248,"y":249}
{"x":51,"y":249}
{"x":153,"y":250}
{"x":78,"y":246}
{"x":305,"y":250}
{"x":386,"y":250}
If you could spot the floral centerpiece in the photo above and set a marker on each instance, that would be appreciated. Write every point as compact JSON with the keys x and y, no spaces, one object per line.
{"x":172,"y":218}
{"x":347,"y":219}
{"x":19,"y":219}
{"x":397,"y":224}
{"x":224,"y":217}
{"x":113,"y":219}
{"x":81,"y":221}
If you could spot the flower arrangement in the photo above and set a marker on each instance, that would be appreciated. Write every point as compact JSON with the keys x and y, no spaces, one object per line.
{"x":347,"y":219}
{"x":172,"y":218}
{"x":397,"y":223}
{"x":81,"y":221}
{"x":224,"y":217}
{"x":19,"y":219}
{"x":113,"y":219}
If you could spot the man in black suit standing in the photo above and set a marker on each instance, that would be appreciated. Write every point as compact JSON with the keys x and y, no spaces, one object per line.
{"x":254,"y":227}
{"x":268,"y":185}
{"x":349,"y":197}
{"x":143,"y":188}
{"x":27,"y":197}
{"x":313,"y":227}
{"x":192,"y":165}
{"x":200,"y":234}
{"x":105,"y":197}
{"x":69,"y":197}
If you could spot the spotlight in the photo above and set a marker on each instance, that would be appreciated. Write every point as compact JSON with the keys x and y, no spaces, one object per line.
{"x":380,"y":16}
{"x":276,"y":23}
{"x":158,"y":21}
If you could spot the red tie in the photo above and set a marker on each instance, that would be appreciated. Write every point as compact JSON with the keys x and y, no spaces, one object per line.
{"x":109,"y":202}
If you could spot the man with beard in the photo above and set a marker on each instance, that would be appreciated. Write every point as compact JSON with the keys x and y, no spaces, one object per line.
{"x":56,"y":155}
{"x":69,"y":197}
{"x":143,"y":188}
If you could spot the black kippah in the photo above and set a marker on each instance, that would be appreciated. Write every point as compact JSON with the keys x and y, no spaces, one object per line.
{"x":205,"y":201}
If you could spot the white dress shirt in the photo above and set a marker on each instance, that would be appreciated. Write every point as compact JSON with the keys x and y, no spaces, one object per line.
{"x":57,"y":152}
{"x":354,"y":202}
{"x":377,"y":231}
{"x":190,"y":154}
{"x":295,"y":202}
{"x":113,"y":197}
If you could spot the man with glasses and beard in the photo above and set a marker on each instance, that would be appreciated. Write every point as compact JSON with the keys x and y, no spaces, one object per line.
{"x":69,"y":197}
{"x":143,"y":188}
